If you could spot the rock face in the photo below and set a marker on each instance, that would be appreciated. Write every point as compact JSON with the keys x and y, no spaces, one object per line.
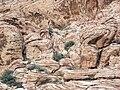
{"x":60,"y":44}
{"x":37,"y":44}
{"x":95,"y":39}
{"x":11,"y":43}
{"x":60,"y":12}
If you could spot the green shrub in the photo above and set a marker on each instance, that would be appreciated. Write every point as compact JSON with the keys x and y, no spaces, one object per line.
{"x":33,"y":66}
{"x":68,"y":45}
{"x":8,"y":78}
{"x":29,"y":62}
{"x":57,"y":56}
{"x":40,"y":69}
{"x":50,"y":32}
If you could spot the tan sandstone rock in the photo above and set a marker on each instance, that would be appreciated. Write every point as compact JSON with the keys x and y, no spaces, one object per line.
{"x":79,"y":74}
{"x":112,"y":50}
{"x":37,"y":44}
{"x":11,"y":44}
{"x":50,"y":65}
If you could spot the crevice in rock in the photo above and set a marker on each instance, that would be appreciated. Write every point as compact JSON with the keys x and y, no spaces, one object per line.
{"x":114,"y":77}
{"x":87,"y":79}
{"x":24,"y":53}
{"x":32,"y":41}
{"x":13,"y":22}
{"x":56,"y":70}
{"x":99,"y":58}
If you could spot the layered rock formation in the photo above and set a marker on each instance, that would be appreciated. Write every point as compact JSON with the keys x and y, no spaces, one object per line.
{"x":61,"y":44}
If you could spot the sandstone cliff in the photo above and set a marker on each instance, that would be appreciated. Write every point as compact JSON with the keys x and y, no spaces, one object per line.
{"x":60,"y":44}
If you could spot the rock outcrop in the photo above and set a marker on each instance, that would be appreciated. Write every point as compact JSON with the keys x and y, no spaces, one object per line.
{"x":60,"y":44}
{"x":11,"y":44}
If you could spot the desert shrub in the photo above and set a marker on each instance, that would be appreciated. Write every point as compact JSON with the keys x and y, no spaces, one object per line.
{"x":28,"y":62}
{"x":8,"y":78}
{"x":68,"y":45}
{"x":40,"y":69}
{"x":57,"y":56}
{"x":31,"y":66}
{"x":34,"y":66}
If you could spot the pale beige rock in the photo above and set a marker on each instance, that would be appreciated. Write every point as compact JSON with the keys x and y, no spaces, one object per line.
{"x":66,"y":62}
{"x":112,"y":50}
{"x":102,"y":88}
{"x":60,"y":12}
{"x":11,"y":44}
{"x":50,"y":65}
{"x":38,"y":46}
{"x":58,"y":41}
{"x":114,"y":62}
{"x":91,"y":45}
{"x":40,"y":79}
{"x":35,"y":78}
{"x":92,"y":63}
{"x":15,"y":65}
{"x":108,"y":74}
{"x":84,"y":85}
{"x":30,"y":86}
{"x":82,"y":74}
{"x":52,"y":87}
{"x":79,"y":74}
{"x":3,"y":86}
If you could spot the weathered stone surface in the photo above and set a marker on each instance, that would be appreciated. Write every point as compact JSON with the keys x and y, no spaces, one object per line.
{"x":40,"y":79}
{"x":84,"y":85}
{"x":3,"y":87}
{"x":114,"y":62}
{"x":11,"y":44}
{"x":50,"y":65}
{"x":35,"y":78}
{"x":79,"y":74}
{"x":15,"y":65}
{"x":108,"y":74}
{"x":112,"y":50}
{"x":57,"y":53}
{"x":30,"y":86}
{"x":91,"y":44}
{"x":37,"y":44}
{"x":105,"y":73}
{"x":60,"y":12}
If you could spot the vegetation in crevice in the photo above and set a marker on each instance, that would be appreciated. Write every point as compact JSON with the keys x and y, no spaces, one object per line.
{"x":8,"y":79}
{"x":68,"y":45}
{"x":57,"y":56}
{"x":34,"y":66}
{"x":50,"y":32}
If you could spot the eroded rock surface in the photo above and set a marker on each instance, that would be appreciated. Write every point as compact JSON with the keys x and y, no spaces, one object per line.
{"x":60,"y":44}
{"x":11,"y":44}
